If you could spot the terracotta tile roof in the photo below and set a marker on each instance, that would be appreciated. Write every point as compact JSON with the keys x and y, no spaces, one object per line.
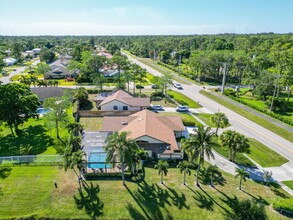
{"x":147,"y":123}
{"x":126,"y":98}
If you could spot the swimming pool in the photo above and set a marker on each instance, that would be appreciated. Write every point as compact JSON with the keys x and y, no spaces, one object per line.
{"x":42,"y":111}
{"x":97,"y":160}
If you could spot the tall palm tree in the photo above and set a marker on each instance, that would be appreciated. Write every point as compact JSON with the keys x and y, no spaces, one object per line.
{"x":212,"y":170}
{"x":220,"y":120}
{"x":198,"y":145}
{"x":184,"y":166}
{"x":119,"y":60}
{"x":120,"y":149}
{"x":242,"y":145}
{"x":242,"y":174}
{"x":236,"y":143}
{"x":76,"y":159}
{"x":33,"y":80}
{"x":162,"y":166}
{"x":229,"y":138}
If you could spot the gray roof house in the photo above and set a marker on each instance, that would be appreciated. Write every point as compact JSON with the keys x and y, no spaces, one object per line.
{"x":58,"y":69}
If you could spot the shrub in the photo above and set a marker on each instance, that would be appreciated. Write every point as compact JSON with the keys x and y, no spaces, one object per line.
{"x":284,"y":204}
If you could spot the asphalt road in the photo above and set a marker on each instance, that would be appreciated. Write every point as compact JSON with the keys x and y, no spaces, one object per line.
{"x":239,"y":123}
{"x":18,"y":70}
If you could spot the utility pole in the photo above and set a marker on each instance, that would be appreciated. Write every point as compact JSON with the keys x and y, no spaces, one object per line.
{"x":154,"y":55}
{"x":179,"y":64}
{"x":224,"y":78}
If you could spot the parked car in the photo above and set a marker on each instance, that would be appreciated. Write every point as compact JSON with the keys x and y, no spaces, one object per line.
{"x":178,"y":86}
{"x":182,"y":108}
{"x":139,"y":87}
{"x":155,"y":87}
{"x":157,"y":108}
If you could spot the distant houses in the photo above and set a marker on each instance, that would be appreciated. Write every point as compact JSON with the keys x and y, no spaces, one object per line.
{"x":9,"y":61}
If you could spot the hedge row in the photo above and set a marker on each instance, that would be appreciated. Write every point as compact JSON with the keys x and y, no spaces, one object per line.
{"x":284,"y":205}
{"x":258,"y":108}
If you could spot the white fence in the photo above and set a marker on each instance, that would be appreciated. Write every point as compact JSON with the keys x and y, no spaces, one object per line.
{"x":38,"y":159}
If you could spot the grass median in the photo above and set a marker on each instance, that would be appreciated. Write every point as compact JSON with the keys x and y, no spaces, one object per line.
{"x":262,"y":122}
{"x":183,"y":99}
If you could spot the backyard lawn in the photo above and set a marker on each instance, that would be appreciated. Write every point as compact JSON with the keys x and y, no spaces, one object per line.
{"x":29,"y":191}
{"x":91,"y":123}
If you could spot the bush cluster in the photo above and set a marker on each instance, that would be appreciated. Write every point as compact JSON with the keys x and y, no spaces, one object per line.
{"x":284,"y":204}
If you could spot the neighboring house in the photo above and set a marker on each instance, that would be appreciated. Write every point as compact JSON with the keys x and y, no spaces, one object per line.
{"x":48,"y":92}
{"x":154,"y":133}
{"x":37,"y":50}
{"x":58,"y":69}
{"x":9,"y":61}
{"x":28,"y":53}
{"x":123,"y":101}
{"x":8,"y":52}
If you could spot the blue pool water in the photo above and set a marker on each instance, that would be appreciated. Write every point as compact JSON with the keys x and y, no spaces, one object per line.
{"x":99,"y":158}
{"x":42,"y":111}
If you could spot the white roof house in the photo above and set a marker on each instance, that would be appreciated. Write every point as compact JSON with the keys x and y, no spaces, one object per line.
{"x":36,"y":50}
{"x":9,"y":61}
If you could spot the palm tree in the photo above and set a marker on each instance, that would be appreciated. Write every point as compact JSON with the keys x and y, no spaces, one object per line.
{"x":76,"y":159}
{"x":242,"y":145}
{"x":267,"y":175}
{"x":137,"y":156}
{"x":184,"y":166}
{"x":220,"y":120}
{"x":198,"y":145}
{"x":229,"y":138}
{"x":242,"y":174}
{"x":120,"y":149}
{"x":34,"y":80}
{"x":25,"y":80}
{"x":119,"y":60}
{"x":75,"y":128}
{"x":212,"y":170}
{"x":162,"y":166}
{"x":134,"y":69}
{"x":236,"y":143}
{"x":141,"y":74}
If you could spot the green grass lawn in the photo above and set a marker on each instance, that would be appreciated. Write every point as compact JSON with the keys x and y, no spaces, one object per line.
{"x":260,"y":153}
{"x":187,"y":119}
{"x":91,"y":123}
{"x":29,"y":191}
{"x":206,"y":118}
{"x":240,"y":158}
{"x":289,"y":183}
{"x":264,"y":156}
{"x":264,"y":123}
{"x":182,"y":99}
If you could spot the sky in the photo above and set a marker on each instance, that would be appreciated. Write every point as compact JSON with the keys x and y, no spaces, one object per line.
{"x":148,"y":17}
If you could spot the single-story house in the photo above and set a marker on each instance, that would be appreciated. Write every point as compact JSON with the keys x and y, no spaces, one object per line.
{"x":58,"y":69}
{"x":9,"y":61}
{"x":152,"y":132}
{"x":123,"y":101}
{"x":37,"y":50}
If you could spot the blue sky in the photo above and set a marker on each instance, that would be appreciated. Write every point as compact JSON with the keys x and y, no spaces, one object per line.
{"x":136,"y":17}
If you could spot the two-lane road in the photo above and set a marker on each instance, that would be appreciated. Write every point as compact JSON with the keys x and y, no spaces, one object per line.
{"x":240,"y":124}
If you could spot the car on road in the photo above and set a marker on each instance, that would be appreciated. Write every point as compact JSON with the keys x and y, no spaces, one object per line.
{"x":182,"y":108}
{"x":139,"y":87}
{"x":157,"y":108}
{"x":155,"y":87}
{"x":177,"y":85}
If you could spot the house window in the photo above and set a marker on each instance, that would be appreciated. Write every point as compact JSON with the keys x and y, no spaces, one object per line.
{"x":115,"y":107}
{"x":125,"y":108}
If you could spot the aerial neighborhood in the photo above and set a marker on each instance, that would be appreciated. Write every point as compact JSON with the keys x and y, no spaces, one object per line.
{"x":152,"y":125}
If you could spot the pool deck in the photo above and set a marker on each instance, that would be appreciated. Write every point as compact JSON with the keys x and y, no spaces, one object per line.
{"x":100,"y":170}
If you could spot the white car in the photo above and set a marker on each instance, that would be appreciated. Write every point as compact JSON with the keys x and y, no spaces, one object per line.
{"x":157,"y":108}
{"x":182,"y":108}
{"x":177,"y":85}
